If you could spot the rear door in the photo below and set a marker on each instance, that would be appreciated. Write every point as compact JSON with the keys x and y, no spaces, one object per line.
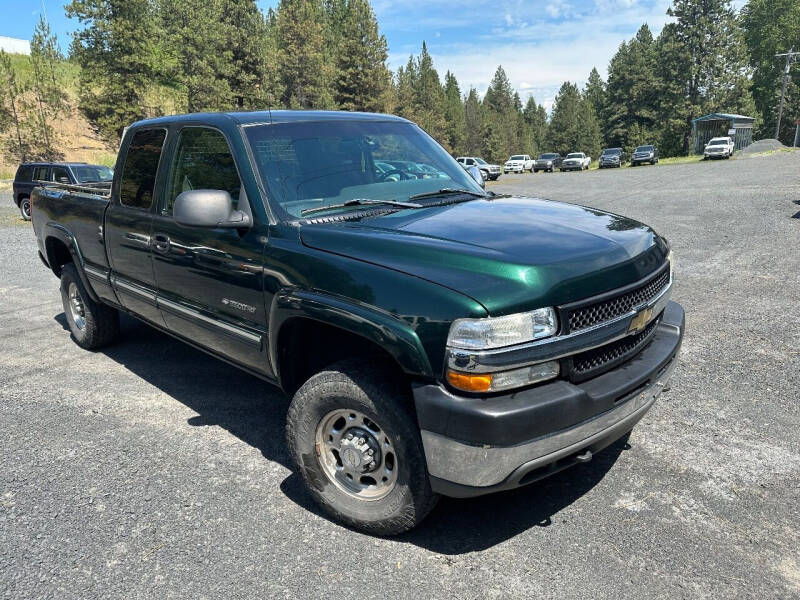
{"x":209,"y":280}
{"x":129,"y":221}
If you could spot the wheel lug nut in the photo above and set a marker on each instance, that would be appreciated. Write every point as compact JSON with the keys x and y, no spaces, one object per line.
{"x":370,"y":451}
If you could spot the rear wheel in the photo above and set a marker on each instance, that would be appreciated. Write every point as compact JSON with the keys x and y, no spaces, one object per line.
{"x":351,"y":434}
{"x":92,"y":325}
{"x":25,"y":208}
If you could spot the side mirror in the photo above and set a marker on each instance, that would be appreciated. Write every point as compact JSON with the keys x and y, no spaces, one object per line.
{"x":208,"y":208}
{"x":476,"y":175}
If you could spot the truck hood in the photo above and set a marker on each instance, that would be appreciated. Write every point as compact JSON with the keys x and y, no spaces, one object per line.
{"x":510,"y":254}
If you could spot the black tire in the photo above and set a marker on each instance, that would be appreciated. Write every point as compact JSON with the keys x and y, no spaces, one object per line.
{"x":374,"y":393}
{"x":485,"y":175}
{"x":100,"y":325}
{"x":25,"y":208}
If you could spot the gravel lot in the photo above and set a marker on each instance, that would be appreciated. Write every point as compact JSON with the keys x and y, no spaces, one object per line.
{"x":151,"y":470}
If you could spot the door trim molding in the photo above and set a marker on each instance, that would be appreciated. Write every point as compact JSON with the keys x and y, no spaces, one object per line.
{"x":183,"y":311}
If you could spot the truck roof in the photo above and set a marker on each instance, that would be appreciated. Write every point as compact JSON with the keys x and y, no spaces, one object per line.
{"x":275,"y":116}
{"x":53,"y":162}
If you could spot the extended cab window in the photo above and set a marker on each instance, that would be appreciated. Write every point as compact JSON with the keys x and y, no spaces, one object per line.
{"x":141,"y":165}
{"x":203,"y":161}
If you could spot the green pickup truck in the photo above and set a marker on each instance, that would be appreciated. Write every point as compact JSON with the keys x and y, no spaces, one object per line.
{"x":435,"y":338}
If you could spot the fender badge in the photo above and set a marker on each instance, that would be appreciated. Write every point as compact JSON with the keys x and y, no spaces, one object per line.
{"x":239,"y":305}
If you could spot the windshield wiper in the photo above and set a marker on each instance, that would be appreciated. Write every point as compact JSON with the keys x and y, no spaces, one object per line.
{"x":359,"y":202}
{"x":446,"y":191}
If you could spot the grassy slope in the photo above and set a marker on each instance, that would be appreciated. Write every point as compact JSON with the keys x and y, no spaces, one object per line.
{"x":75,"y":138}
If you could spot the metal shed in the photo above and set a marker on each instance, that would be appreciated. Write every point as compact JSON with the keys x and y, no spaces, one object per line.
{"x":720,"y":124}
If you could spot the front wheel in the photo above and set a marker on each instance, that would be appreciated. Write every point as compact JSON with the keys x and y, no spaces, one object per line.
{"x":351,"y":435}
{"x":25,"y":208}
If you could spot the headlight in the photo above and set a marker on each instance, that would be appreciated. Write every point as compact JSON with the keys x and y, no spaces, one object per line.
{"x":549,"y":162}
{"x":496,"y":332}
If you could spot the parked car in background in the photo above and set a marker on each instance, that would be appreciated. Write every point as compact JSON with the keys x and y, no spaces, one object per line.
{"x":547,"y":162}
{"x":489,"y":171}
{"x":576,"y":161}
{"x":719,"y":147}
{"x":518,"y":163}
{"x":644,"y":154}
{"x":29,"y":173}
{"x":612,"y":157}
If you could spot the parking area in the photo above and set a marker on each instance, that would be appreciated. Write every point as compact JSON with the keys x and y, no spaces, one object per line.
{"x":152,"y":470}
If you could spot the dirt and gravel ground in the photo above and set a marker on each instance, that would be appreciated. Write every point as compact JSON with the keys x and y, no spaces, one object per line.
{"x":151,"y":470}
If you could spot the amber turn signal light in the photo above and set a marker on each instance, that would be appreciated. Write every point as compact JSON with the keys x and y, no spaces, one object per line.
{"x":470,"y":382}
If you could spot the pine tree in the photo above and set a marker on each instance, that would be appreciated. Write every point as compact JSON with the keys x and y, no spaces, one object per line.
{"x":201,"y":53}
{"x":246,"y":35}
{"x":304,"y":74}
{"x":473,"y":124}
{"x":564,"y":135}
{"x":48,"y":95}
{"x":773,"y":27}
{"x":117,"y":51}
{"x":708,"y":66}
{"x":11,"y":91}
{"x":595,"y":93}
{"x":428,"y":96}
{"x":632,"y":88}
{"x":363,"y":81}
{"x":454,"y":114}
{"x":535,"y":119}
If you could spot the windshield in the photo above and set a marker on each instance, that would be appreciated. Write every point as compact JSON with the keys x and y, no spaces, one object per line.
{"x":644,"y":149}
{"x":480,"y":161}
{"x":311,"y":165}
{"x":92,"y":173}
{"x":612,"y":151}
{"x":575,"y":155}
{"x":548,"y":156}
{"x":517,"y":157}
{"x":722,"y":142}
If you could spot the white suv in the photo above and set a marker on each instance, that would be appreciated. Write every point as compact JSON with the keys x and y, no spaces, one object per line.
{"x":488,"y":171}
{"x":519,"y":163}
{"x":719,"y":147}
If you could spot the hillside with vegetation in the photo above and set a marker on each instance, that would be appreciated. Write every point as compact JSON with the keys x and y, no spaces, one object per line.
{"x":131,"y":59}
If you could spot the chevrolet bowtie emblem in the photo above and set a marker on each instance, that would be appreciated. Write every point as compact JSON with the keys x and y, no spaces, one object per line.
{"x":642,"y":318}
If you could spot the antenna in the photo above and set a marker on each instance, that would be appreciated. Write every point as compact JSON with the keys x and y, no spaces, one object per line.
{"x":270,"y":114}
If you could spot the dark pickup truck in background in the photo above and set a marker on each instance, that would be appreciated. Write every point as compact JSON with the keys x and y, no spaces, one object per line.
{"x":435,"y":338}
{"x":31,"y":174}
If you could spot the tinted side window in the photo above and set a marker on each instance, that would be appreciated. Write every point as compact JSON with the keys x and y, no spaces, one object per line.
{"x":61,"y":175}
{"x":202,"y":161}
{"x":24,"y":173}
{"x":40,"y":173}
{"x":141,"y":165}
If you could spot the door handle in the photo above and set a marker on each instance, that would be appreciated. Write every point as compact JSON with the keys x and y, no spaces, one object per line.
{"x":161,"y":243}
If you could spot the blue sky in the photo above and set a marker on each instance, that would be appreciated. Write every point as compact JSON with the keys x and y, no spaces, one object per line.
{"x":539,"y":43}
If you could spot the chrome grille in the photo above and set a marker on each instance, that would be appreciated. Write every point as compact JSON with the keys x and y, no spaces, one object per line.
{"x":605,"y":310}
{"x":593,"y":362}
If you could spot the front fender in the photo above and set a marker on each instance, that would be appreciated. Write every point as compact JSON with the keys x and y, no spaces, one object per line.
{"x":392,"y":334}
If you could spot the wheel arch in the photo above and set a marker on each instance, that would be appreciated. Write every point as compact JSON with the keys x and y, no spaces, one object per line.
{"x":309,"y":331}
{"x":61,"y":248}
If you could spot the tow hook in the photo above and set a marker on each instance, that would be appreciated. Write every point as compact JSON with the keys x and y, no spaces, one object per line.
{"x":584,"y":457}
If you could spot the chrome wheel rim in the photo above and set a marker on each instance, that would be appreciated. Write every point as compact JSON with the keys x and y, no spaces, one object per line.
{"x":356,"y":455}
{"x":76,"y":308}
{"x":26,"y":209}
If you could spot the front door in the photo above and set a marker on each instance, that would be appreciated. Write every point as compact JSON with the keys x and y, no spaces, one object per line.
{"x":128,"y":223}
{"x":209,"y":280}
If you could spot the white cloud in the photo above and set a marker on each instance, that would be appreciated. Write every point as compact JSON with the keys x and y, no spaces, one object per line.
{"x":540,"y":53}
